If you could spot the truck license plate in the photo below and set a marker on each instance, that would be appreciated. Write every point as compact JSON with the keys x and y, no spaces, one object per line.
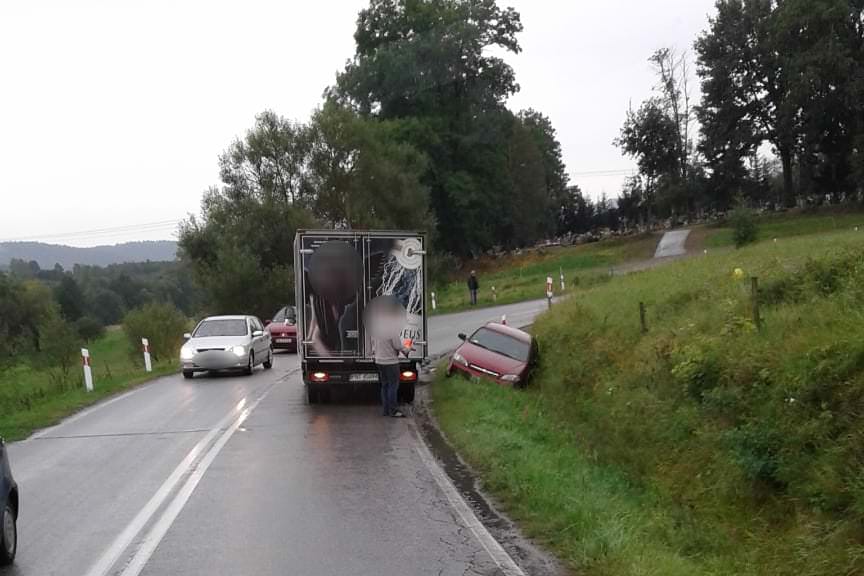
{"x":284,"y":340}
{"x":363,"y":378}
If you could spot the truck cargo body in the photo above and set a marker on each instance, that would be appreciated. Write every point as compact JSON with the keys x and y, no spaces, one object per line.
{"x":341,"y":276}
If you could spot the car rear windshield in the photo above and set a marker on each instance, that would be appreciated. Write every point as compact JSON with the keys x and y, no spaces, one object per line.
{"x":286,"y":313}
{"x":501,"y":343}
{"x":221,"y":328}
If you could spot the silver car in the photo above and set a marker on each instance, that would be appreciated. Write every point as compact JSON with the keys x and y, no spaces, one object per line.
{"x":226,"y":343}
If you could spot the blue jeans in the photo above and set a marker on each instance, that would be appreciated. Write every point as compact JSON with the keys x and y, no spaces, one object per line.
{"x":389,"y":376}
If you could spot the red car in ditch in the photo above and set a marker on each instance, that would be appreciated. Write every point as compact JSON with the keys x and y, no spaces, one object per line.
{"x":283,"y":329}
{"x":496,"y":352}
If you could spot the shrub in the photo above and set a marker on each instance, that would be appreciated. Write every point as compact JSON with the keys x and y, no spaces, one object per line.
{"x":89,"y":328}
{"x":59,"y":346}
{"x":162,"y":324}
{"x":744,"y":228}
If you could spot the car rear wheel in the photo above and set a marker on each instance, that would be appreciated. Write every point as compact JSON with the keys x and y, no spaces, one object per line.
{"x":188,"y":375}
{"x":268,"y":364}
{"x":9,"y":537}
{"x":251,"y":366}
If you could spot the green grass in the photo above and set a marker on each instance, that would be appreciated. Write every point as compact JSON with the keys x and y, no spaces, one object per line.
{"x":791,"y":225}
{"x":704,"y":447}
{"x":33,"y":397}
{"x":521,"y":278}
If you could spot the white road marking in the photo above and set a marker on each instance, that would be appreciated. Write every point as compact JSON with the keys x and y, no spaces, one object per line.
{"x":86,"y":412}
{"x":103,"y":565}
{"x":500,"y":556}
{"x":161,"y":527}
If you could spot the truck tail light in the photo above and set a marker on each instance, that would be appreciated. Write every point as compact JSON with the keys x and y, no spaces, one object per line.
{"x":408,"y":376}
{"x":320,"y":377}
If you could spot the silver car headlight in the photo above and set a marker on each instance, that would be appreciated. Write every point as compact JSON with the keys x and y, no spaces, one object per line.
{"x":239,"y":351}
{"x":511,"y":378}
{"x":187,"y":353}
{"x":459,"y":359}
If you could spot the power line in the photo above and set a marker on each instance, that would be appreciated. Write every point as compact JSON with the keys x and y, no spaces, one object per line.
{"x":100,"y":232}
{"x":617,"y":172}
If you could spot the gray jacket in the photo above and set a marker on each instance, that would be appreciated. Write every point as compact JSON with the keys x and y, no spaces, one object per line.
{"x":386,"y":350}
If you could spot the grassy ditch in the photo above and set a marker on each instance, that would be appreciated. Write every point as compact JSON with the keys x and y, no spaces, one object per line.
{"x":33,"y":396}
{"x":706,"y":446}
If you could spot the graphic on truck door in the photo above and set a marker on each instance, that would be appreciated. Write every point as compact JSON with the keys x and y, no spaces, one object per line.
{"x":395,"y":268}
{"x":332,"y":296}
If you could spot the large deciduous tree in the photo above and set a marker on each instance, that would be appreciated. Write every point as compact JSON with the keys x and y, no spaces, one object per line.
{"x":431,"y":63}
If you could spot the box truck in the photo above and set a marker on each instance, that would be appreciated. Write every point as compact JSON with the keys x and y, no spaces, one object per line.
{"x":341,"y":278}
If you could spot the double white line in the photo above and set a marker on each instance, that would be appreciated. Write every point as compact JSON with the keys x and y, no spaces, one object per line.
{"x":192,"y":468}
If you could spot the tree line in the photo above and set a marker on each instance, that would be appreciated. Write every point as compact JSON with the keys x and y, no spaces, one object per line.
{"x":414,"y":134}
{"x":47,"y":312}
{"x":780,"y":118}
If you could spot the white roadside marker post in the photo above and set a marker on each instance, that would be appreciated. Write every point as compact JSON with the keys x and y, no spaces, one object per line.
{"x":148,"y":365}
{"x":494,"y":295}
{"x":561,"y":275}
{"x":549,"y":290}
{"x":434,"y":302}
{"x":88,"y":373}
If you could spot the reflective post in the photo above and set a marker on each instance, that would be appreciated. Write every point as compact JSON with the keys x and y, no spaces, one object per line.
{"x":148,"y":366}
{"x":88,"y":373}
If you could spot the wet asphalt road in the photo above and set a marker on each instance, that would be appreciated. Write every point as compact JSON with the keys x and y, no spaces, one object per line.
{"x":237,"y":475}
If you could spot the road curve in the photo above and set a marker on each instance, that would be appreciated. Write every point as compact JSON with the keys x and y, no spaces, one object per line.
{"x":237,"y":475}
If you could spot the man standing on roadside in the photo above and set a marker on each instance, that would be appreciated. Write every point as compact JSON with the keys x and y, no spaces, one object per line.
{"x":473,"y":287}
{"x":386,"y":347}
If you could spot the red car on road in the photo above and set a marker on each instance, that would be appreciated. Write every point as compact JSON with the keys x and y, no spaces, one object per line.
{"x":497,"y":352}
{"x":283,"y":329}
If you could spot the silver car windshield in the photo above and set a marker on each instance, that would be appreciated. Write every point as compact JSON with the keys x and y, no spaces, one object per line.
{"x":221,"y":328}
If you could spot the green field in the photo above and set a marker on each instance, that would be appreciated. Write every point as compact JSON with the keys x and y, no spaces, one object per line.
{"x":790,"y":225}
{"x":704,"y":447}
{"x":523,"y":277}
{"x":33,"y":397}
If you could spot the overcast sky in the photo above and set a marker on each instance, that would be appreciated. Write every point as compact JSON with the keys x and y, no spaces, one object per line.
{"x":113,"y":114}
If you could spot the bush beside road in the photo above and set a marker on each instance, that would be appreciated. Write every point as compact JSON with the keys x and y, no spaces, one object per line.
{"x":704,"y":446}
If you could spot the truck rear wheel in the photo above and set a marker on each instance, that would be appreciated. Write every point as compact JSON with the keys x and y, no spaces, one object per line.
{"x":406,"y":392}
{"x":317,"y":393}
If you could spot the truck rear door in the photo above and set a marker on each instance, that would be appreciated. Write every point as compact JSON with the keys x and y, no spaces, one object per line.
{"x":332,"y":295}
{"x":395,"y":266}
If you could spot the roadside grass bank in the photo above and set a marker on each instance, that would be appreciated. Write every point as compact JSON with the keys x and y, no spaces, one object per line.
{"x":523,"y":277}
{"x":33,"y":397}
{"x":703,"y":447}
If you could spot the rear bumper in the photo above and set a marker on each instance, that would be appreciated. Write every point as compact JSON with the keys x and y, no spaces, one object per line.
{"x":292,"y":345}
{"x":352,"y":374}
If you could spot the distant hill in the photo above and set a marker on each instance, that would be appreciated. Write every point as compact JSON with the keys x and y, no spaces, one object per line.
{"x":47,"y":255}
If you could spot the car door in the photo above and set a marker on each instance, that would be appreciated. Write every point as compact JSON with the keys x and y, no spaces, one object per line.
{"x":257,"y":341}
{"x":265,"y":339}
